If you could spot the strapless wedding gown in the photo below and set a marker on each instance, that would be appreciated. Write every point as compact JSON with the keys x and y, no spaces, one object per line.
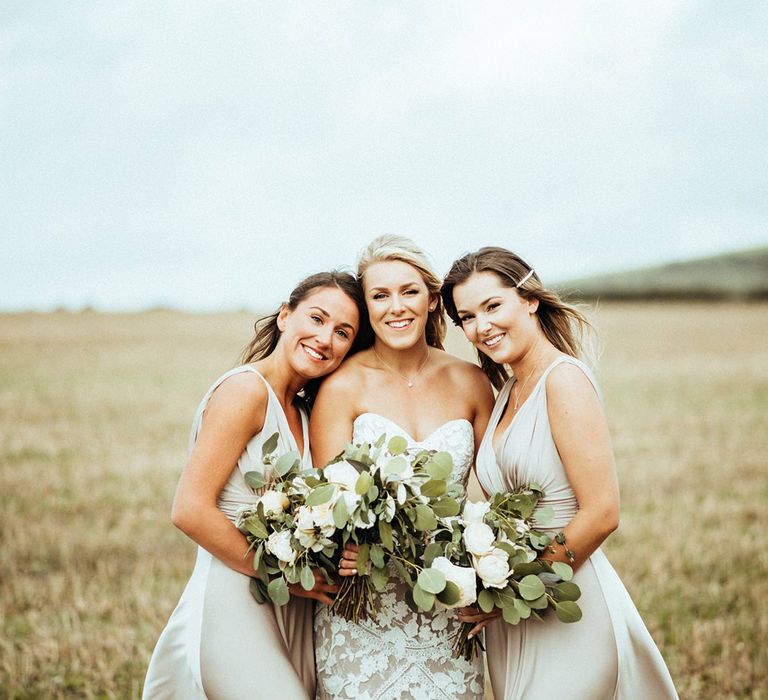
{"x":403,"y":654}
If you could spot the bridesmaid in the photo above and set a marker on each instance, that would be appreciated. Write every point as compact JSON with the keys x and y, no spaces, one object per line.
{"x":406,"y":385}
{"x":219,"y":643}
{"x":548,"y":427}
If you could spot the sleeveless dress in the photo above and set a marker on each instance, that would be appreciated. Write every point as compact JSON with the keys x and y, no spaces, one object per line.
{"x":403,"y":654}
{"x":220,"y":643}
{"x":609,"y":653}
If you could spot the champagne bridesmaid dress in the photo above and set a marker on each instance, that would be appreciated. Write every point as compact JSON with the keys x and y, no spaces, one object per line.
{"x":609,"y":653}
{"x":219,"y":643}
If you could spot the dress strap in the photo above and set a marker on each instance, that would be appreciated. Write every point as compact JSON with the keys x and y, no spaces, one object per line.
{"x":568,"y":359}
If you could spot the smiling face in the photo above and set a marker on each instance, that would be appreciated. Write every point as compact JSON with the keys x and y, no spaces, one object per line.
{"x":495,"y":318}
{"x":318,"y":333}
{"x":398,"y":303}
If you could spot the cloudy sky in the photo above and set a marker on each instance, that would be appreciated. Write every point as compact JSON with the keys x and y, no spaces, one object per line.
{"x":206,"y":155}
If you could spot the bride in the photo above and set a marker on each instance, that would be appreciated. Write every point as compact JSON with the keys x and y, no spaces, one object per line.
{"x":406,"y":385}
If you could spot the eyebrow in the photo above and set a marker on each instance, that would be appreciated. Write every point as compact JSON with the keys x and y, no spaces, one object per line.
{"x":402,"y":286}
{"x":327,"y":315}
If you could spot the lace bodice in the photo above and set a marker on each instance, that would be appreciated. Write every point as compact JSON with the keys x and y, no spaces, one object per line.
{"x":404,"y":654}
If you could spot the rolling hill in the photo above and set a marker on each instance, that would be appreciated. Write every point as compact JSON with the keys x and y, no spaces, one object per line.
{"x":741,"y":275}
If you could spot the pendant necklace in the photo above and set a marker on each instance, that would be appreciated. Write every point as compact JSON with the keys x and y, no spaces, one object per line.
{"x":522,"y":388}
{"x":409,"y":382}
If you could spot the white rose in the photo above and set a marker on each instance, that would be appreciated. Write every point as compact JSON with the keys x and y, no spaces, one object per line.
{"x":479,"y":538}
{"x":343,"y":474}
{"x":305,"y":519}
{"x":274,"y":502}
{"x":351,"y":500}
{"x":322,"y":517}
{"x":475,"y":512}
{"x":493,"y":568}
{"x":462,"y":576}
{"x":279,"y":543}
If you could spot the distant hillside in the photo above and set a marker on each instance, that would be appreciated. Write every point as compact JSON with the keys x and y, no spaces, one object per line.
{"x":742,"y":275}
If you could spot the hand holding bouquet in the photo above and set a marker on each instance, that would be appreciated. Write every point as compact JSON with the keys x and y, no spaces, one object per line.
{"x":387,"y":502}
{"x":490,"y":556}
{"x":291,"y":537}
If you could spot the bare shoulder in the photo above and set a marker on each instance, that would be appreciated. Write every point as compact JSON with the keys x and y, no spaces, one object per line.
{"x":242,"y":396}
{"x":347,"y":380}
{"x":467,"y":374}
{"x":570,"y":384}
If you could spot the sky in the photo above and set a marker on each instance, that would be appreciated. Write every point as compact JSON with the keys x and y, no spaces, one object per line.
{"x":208,"y":155}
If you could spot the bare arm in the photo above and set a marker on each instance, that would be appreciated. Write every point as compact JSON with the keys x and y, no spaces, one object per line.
{"x":235,"y":413}
{"x":580,"y":432}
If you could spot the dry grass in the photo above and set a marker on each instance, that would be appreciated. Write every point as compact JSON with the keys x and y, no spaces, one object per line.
{"x":95,"y":412}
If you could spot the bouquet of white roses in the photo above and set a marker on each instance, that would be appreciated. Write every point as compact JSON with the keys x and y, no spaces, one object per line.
{"x":489,"y":556}
{"x":289,"y":535}
{"x":387,"y":501}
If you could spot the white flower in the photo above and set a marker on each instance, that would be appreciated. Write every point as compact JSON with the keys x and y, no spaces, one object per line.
{"x":279,"y":543}
{"x":479,"y":538}
{"x":351,"y":500}
{"x":274,"y":502}
{"x":462,"y":576}
{"x":343,"y":474}
{"x":475,"y":512}
{"x":493,"y":568}
{"x":363,"y":525}
{"x":389,"y":509}
{"x":299,"y":486}
{"x":322,"y":516}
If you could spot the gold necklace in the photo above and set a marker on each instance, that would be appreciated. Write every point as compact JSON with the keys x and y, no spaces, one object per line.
{"x":409,"y":382}
{"x":522,"y":388}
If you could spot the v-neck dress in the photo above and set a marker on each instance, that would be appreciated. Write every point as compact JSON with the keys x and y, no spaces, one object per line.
{"x":220,"y":643}
{"x":609,"y":653}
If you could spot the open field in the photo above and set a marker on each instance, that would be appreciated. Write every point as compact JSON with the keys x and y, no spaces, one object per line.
{"x":95,"y":411}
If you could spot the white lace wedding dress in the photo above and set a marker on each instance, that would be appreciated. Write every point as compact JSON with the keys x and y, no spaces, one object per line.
{"x":403,"y":654}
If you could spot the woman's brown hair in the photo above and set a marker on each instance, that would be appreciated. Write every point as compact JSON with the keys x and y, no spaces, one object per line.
{"x":562,"y":323}
{"x":267,"y":333}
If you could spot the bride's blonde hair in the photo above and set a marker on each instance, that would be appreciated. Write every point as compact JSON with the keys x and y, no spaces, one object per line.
{"x":390,"y":247}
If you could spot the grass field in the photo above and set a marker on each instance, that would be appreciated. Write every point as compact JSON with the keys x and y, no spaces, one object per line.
{"x":95,"y":412}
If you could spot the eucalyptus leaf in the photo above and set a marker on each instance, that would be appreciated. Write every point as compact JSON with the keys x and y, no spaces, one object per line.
{"x":363,"y":483}
{"x":410,"y":602}
{"x":404,"y":573}
{"x":423,"y":599}
{"x":566,"y":590}
{"x":523,"y":608}
{"x":255,"y":480}
{"x":541,"y":603}
{"x":258,"y":590}
{"x":425,"y":518}
{"x":396,"y":465}
{"x":278,"y":591}
{"x":450,"y":595}
{"x":485,"y":600}
{"x":385,"y":532}
{"x":431,"y":580}
{"x":362,"y":559}
{"x":270,"y":444}
{"x":531,"y":587}
{"x":438,"y":470}
{"x":568,"y":611}
{"x":307,"y":578}
{"x":373,"y":493}
{"x":256,"y":527}
{"x":397,"y":445}
{"x":322,"y":494}
{"x":444,"y":461}
{"x":564,"y":571}
{"x":286,"y":462}
{"x":510,"y":614}
{"x":340,"y":514}
{"x":433,"y":488}
{"x":379,"y":578}
{"x":432,"y":551}
{"x":446,"y":507}
{"x":292,"y":574}
{"x":377,"y":555}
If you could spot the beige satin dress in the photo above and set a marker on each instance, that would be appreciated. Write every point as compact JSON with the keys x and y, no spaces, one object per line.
{"x":219,"y":643}
{"x":609,"y":653}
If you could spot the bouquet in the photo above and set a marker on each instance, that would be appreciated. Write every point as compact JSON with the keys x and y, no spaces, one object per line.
{"x":289,"y":534}
{"x":489,"y":556}
{"x":388,"y":502}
